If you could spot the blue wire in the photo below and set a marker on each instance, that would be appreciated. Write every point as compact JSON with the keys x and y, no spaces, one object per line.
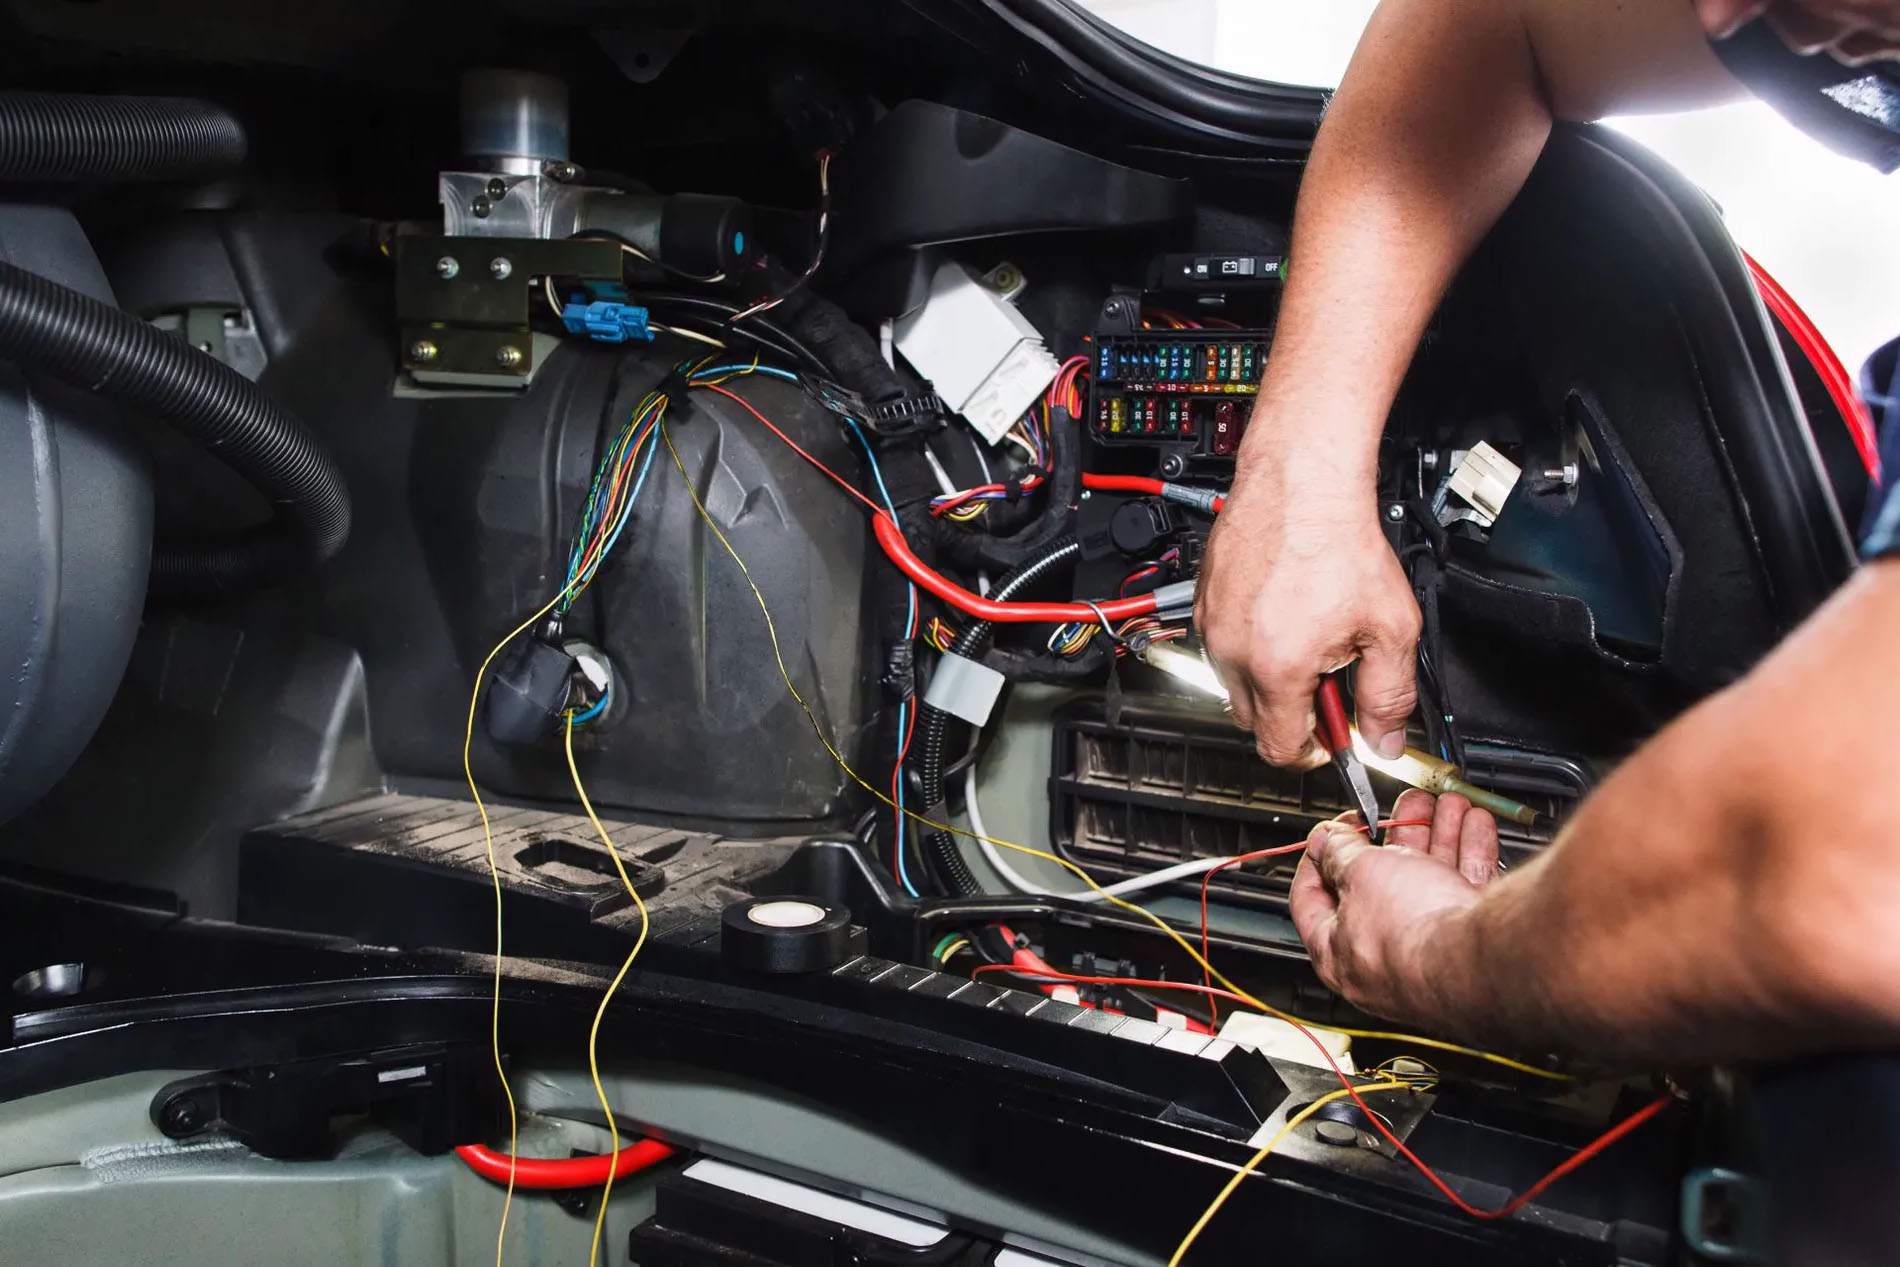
{"x":910,"y":621}
{"x":772,"y":370}
{"x":626,"y":513}
{"x":598,"y":707}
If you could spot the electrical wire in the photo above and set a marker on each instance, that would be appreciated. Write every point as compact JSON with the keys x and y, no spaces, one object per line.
{"x":593,"y":1032}
{"x":1162,"y":925}
{"x":1247,"y":1167}
{"x":906,"y":707}
{"x":564,"y":1172}
{"x":950,"y":944}
{"x":817,"y":255}
{"x":494,"y":875}
{"x":1510,"y":1207}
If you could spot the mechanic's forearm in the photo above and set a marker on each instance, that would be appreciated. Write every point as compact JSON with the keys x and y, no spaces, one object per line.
{"x":1437,"y":122}
{"x":1729,"y":892}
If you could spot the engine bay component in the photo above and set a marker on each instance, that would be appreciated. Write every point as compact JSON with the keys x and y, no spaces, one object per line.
{"x":983,"y":357}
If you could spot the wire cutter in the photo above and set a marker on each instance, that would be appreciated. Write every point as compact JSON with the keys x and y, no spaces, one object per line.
{"x":1335,"y":733}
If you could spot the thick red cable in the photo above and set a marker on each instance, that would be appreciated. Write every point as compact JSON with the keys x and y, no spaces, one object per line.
{"x":1834,"y":376}
{"x":1132,"y":484}
{"x":563,"y":1172}
{"x":891,"y":540}
{"x":1510,"y":1207}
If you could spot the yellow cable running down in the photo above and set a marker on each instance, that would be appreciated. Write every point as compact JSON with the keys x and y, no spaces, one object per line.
{"x":593,"y":1033}
{"x":494,"y":875}
{"x":778,"y":656}
{"x":1247,"y":1167}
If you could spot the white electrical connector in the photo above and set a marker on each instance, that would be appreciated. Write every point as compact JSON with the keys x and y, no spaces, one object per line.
{"x":1485,"y":479}
{"x":983,"y":357}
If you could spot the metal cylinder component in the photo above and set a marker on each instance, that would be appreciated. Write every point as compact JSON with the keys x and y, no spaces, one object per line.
{"x":514,"y":120}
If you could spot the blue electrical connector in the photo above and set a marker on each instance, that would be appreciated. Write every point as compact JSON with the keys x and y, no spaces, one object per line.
{"x":607,"y":321}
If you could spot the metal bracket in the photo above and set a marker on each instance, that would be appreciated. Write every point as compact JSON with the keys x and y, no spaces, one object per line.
{"x":431,"y":1096}
{"x":463,"y":302}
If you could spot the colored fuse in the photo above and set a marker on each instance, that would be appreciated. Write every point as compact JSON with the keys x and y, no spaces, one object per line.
{"x":1105,"y":361}
{"x":1227,"y":426}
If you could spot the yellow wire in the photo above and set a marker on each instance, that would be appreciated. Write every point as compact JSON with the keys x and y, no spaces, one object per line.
{"x":593,"y":1033}
{"x":494,"y":875}
{"x":1247,"y":1167}
{"x":778,"y":656}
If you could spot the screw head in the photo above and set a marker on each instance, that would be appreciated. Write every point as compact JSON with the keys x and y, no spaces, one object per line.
{"x":1395,"y":512}
{"x":480,"y":206}
{"x":508,"y":356}
{"x":497,"y":187}
{"x":447,"y":267}
{"x":1172,"y":465}
{"x":500,"y":267}
{"x":423,"y":350}
{"x":560,"y":170}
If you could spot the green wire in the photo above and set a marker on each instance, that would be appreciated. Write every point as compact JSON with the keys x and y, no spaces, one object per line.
{"x":938,"y":954}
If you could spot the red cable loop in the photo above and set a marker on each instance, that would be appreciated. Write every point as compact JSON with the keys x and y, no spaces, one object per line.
{"x":1834,"y":375}
{"x":891,"y":540}
{"x":563,"y":1172}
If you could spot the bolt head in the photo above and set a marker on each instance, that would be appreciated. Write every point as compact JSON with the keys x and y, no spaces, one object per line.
{"x":447,"y":267}
{"x":561,"y":170}
{"x":497,"y":187}
{"x":508,"y":356}
{"x":181,"y":1117}
{"x":1395,"y":512}
{"x":1173,"y":465}
{"x":500,"y":267}
{"x":480,"y":206}
{"x":423,"y":350}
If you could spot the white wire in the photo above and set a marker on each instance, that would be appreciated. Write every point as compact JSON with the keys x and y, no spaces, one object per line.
{"x":1015,"y":880}
{"x":686,"y":334}
{"x":1022,"y":444}
{"x":944,"y":483}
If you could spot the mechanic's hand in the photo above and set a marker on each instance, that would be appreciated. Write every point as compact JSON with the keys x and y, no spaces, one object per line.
{"x":1299,"y":581}
{"x":1853,"y":31}
{"x":1367,"y":912}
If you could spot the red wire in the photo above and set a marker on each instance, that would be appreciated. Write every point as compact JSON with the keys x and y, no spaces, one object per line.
{"x":1269,"y":853}
{"x":891,"y":540}
{"x":1510,"y":1207}
{"x":1132,"y":484}
{"x":563,"y":1172}
{"x":771,"y":426}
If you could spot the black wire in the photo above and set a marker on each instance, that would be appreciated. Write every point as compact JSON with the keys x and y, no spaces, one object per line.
{"x":759,"y":329}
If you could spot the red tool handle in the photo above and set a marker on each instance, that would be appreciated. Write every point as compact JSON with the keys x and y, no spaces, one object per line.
{"x":1334,"y":731}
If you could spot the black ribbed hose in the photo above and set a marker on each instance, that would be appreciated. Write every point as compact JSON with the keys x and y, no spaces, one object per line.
{"x":64,"y":136}
{"x":48,"y":328}
{"x":940,"y":847}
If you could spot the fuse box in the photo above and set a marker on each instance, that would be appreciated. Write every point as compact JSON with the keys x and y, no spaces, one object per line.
{"x":1188,"y":388}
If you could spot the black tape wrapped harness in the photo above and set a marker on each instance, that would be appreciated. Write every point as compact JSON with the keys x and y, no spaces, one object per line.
{"x":940,"y":848}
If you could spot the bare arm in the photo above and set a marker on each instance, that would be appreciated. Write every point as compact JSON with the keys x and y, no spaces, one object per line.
{"x":1729,"y":893}
{"x":1444,"y":109}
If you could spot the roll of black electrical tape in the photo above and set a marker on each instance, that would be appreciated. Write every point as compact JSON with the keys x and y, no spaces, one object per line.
{"x":785,"y":934}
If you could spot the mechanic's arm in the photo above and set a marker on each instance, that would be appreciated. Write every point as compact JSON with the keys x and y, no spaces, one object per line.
{"x":1441,"y":114}
{"x":1730,"y":892}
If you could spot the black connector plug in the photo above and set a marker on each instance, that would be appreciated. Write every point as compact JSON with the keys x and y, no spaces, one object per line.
{"x":528,"y":691}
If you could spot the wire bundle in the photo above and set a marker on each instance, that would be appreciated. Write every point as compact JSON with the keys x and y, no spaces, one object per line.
{"x":1031,"y":435}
